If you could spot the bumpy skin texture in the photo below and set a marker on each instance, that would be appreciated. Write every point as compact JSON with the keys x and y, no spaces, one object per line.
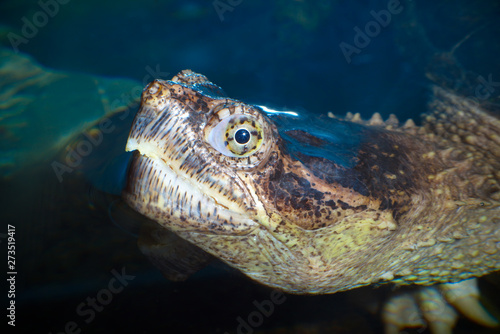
{"x":414,"y":205}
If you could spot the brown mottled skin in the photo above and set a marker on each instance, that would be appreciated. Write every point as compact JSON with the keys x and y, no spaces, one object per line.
{"x":418,"y":205}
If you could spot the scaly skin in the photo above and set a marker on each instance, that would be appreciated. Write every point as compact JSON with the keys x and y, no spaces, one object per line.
{"x":416,"y":205}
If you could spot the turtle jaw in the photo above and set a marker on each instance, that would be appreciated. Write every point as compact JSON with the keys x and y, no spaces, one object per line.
{"x":155,"y":190}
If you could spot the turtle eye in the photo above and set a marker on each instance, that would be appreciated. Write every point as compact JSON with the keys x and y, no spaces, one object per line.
{"x":237,"y":136}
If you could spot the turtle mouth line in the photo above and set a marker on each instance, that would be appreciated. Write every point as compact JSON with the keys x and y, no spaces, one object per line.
{"x":158,"y":191}
{"x":167,"y":190}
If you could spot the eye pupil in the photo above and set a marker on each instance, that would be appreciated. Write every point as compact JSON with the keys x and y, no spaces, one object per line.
{"x":242,"y":136}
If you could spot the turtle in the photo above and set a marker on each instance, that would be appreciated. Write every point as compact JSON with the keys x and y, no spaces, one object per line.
{"x":35,"y":105}
{"x":304,"y":141}
{"x":319,"y":206}
{"x":58,"y":130}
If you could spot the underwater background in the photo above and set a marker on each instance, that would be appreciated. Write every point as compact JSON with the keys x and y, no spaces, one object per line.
{"x":65,"y":64}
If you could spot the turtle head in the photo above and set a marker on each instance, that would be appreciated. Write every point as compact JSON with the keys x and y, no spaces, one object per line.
{"x":263,"y":196}
{"x":194,"y":149}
